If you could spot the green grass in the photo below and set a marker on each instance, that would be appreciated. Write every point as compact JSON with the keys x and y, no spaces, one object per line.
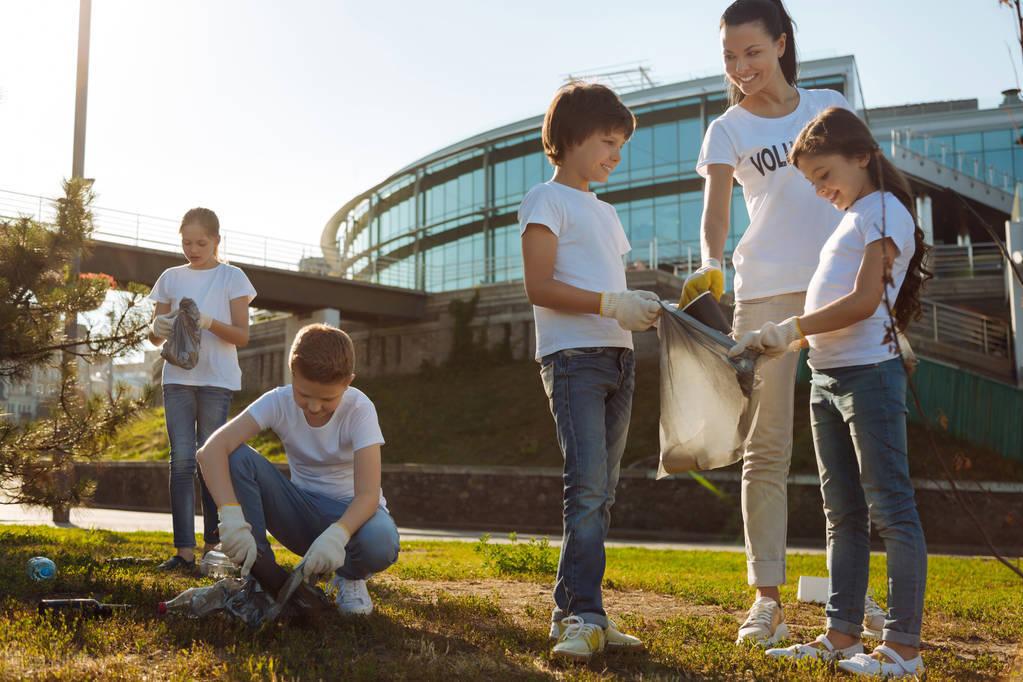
{"x":443,"y":613}
{"x":499,"y":415}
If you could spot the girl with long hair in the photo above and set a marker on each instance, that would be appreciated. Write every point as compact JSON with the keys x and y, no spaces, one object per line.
{"x":865,"y":290}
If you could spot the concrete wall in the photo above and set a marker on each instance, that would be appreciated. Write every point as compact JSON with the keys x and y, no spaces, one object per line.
{"x":499,"y":499}
{"x":503,"y":315}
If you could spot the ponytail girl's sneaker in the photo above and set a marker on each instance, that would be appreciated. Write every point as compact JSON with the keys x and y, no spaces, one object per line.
{"x":765,"y":623}
{"x":579,"y":640}
{"x":890,"y":666}
{"x":615,"y":640}
{"x":820,"y":649}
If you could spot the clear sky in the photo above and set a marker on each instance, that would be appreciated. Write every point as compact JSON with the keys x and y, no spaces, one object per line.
{"x":274,"y":113}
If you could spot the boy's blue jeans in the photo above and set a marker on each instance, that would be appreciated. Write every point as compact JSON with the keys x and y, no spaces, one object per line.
{"x":296,"y":517}
{"x":858,"y":416}
{"x":590,"y":392}
{"x":193,"y":413}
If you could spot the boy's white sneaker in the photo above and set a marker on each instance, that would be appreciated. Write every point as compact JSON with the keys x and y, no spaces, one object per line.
{"x":765,"y":623}
{"x":352,"y":597}
{"x":614,"y":639}
{"x":579,"y":640}
{"x":865,"y":665}
{"x":826,"y":651}
{"x":873,"y":617}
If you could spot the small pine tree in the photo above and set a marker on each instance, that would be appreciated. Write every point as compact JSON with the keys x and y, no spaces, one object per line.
{"x":40,"y":291}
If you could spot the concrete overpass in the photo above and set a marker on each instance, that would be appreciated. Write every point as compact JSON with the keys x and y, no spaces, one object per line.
{"x":279,"y":289}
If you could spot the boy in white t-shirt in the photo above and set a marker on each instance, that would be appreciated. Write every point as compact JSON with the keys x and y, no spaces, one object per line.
{"x":332,"y":510}
{"x":572,"y":249}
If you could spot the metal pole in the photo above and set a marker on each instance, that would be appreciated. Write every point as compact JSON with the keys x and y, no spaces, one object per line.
{"x":1014,"y":245}
{"x":62,"y":514}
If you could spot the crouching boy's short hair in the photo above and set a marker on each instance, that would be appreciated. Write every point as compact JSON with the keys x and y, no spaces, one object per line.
{"x":323,"y":354}
{"x":579,"y":110}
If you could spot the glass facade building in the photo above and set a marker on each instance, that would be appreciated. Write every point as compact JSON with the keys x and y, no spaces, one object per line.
{"x":448,"y":221}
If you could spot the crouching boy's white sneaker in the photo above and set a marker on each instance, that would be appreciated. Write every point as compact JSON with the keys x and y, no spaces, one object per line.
{"x":614,"y":639}
{"x":579,"y":640}
{"x":352,"y":597}
{"x":765,"y":623}
{"x":895,"y":666}
{"x":820,"y":649}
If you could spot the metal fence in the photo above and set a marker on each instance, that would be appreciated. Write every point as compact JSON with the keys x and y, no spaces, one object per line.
{"x":963,"y":329}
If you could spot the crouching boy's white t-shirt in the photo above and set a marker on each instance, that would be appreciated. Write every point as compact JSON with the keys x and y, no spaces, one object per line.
{"x":591,"y":243}
{"x":862,"y":343}
{"x":321,"y":458}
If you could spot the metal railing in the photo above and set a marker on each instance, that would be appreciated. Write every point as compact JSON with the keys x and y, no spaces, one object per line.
{"x":963,"y":329}
{"x":960,"y":161}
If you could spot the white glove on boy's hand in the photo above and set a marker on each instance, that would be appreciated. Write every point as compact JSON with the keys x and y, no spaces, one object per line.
{"x":772,"y":339}
{"x":236,"y":537}
{"x":327,"y":553}
{"x":162,"y":325}
{"x":204,"y":320}
{"x":634,"y":310}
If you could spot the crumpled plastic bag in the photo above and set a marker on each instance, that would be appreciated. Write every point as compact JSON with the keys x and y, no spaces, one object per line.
{"x":708,"y":400}
{"x":182,"y":346}
{"x":246,"y":600}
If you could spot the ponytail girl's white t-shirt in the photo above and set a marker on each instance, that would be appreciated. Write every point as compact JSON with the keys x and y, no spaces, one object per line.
{"x":212,"y":290}
{"x":864,"y":342}
{"x":788,"y":221}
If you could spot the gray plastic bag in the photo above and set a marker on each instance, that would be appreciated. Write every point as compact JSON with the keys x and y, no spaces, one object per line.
{"x":182,"y":346}
{"x":708,"y":400}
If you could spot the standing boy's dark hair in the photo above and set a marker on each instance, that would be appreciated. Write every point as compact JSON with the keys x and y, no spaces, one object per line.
{"x":776,"y":21}
{"x":839,"y":131}
{"x":577,"y":111}
{"x":208,"y":221}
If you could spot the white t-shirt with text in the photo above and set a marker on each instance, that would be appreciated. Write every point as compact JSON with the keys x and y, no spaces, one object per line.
{"x":788,"y":221}
{"x":591,"y":244}
{"x":212,"y":290}
{"x":864,"y":342}
{"x":321,"y":458}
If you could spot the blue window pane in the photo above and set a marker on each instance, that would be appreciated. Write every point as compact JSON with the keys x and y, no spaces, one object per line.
{"x":667,"y":225}
{"x":690,"y":139}
{"x":516,"y":178}
{"x":971,"y":143}
{"x":692,"y":213}
{"x":641,"y":153}
{"x":666,"y":148}
{"x":997,"y":139}
{"x":642,"y":226}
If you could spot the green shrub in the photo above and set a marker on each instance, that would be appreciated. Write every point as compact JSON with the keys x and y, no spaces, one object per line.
{"x":532,"y":557}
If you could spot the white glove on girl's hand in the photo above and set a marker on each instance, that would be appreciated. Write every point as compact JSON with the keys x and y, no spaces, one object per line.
{"x":236,"y":537}
{"x":162,"y":325}
{"x":204,"y":320}
{"x":327,"y":553}
{"x":634,"y":310}
{"x":772,"y":339}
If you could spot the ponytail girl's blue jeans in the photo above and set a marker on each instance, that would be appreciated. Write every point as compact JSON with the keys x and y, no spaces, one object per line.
{"x":193,"y":413}
{"x":590,"y":393}
{"x":858,"y":416}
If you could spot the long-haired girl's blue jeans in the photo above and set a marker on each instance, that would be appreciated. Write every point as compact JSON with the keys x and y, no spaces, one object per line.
{"x":858,"y":415}
{"x":193,"y":413}
{"x":590,"y":392}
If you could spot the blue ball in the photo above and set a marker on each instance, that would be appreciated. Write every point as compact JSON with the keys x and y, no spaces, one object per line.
{"x":41,"y":568}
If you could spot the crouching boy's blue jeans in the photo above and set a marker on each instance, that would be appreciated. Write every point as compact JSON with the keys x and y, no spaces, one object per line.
{"x":590,"y":392}
{"x":858,"y":416}
{"x":296,"y":517}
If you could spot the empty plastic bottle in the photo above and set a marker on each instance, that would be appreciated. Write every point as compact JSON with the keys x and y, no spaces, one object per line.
{"x":217,"y":565}
{"x":84,"y":607}
{"x":41,"y":568}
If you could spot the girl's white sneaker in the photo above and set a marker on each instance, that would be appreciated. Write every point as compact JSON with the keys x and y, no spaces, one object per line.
{"x":825,"y":652}
{"x":868,"y":666}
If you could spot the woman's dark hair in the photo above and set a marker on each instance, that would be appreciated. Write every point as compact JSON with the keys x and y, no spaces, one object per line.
{"x":579,"y":110}
{"x":776,"y":21}
{"x":840,"y":131}
{"x":208,"y":221}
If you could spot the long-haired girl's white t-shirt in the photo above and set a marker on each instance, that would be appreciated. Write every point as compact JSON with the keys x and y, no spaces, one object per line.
{"x":862,"y":343}
{"x":212,"y":290}
{"x":789,"y":223}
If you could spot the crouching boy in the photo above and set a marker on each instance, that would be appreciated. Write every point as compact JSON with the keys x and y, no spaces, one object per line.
{"x":332,"y":511}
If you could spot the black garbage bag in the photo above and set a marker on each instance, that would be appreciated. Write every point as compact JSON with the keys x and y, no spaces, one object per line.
{"x":708,"y":400}
{"x":182,"y":346}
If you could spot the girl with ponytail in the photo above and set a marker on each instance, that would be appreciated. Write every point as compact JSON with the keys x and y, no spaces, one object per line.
{"x":773,"y":261}
{"x":858,"y":390}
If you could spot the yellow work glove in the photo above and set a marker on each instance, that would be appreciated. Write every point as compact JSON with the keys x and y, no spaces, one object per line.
{"x":707,"y":278}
